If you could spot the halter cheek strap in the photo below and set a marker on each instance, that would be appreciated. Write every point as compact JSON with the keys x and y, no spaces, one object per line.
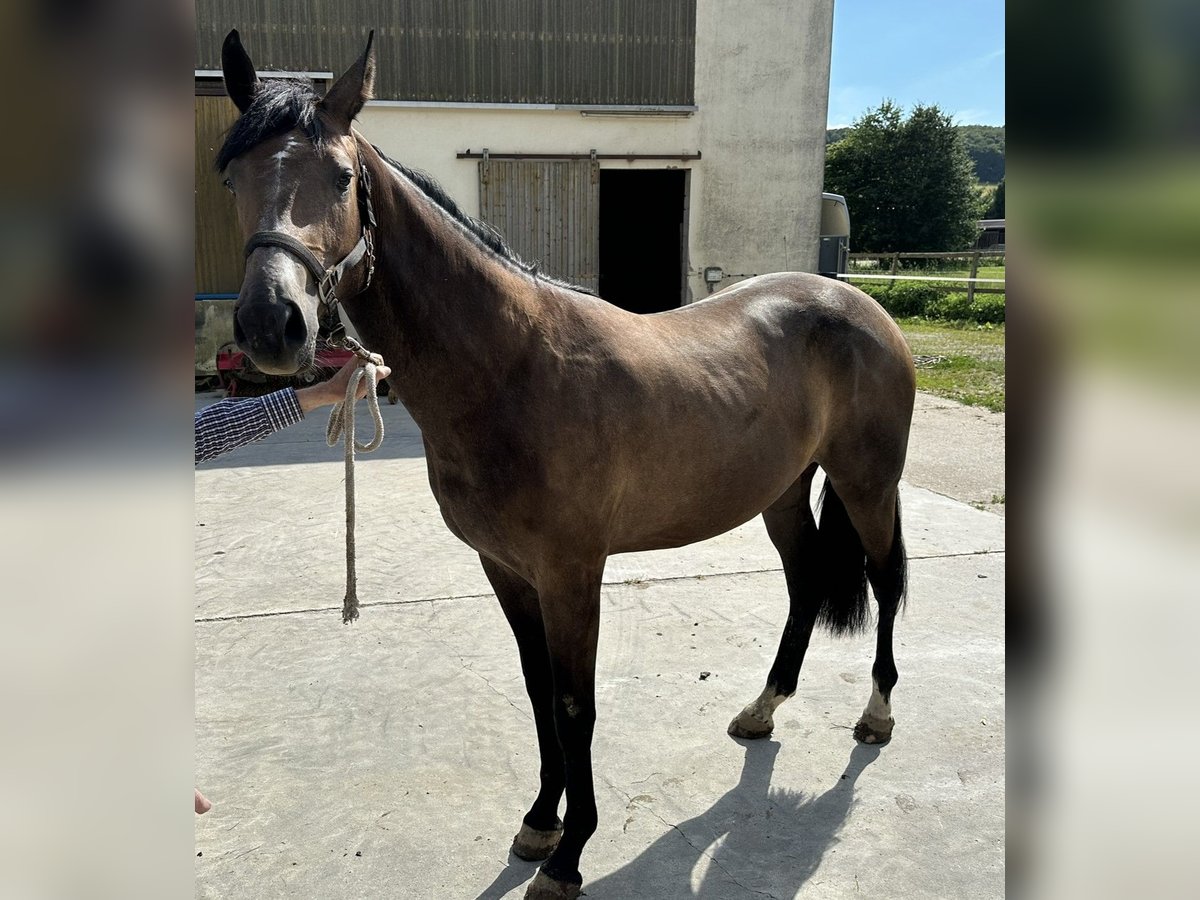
{"x":327,"y":279}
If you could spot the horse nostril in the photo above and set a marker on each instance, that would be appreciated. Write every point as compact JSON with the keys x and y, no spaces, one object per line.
{"x":295,"y":330}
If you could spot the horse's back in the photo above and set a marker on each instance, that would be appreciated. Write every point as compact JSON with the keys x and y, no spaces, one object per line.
{"x":795,"y":303}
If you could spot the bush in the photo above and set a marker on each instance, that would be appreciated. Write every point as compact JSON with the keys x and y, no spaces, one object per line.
{"x":909,"y":299}
{"x":915,"y":300}
{"x":988,"y":309}
{"x":984,"y":309}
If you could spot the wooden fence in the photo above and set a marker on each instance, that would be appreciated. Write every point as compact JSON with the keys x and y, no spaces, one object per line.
{"x":941,"y":283}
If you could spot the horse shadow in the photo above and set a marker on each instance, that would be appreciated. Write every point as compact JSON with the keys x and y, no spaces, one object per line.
{"x":753,"y":841}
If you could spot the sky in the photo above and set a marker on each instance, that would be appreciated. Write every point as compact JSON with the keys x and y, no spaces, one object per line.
{"x":944,"y":52}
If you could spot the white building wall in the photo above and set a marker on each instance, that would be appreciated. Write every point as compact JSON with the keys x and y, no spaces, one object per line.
{"x":762,"y":85}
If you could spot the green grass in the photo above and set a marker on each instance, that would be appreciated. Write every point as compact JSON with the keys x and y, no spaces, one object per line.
{"x":957,"y":361}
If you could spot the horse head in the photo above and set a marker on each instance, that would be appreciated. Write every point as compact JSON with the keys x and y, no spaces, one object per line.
{"x":303,"y":203}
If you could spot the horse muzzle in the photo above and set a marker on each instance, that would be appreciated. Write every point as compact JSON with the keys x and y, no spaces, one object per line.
{"x":273,"y":332}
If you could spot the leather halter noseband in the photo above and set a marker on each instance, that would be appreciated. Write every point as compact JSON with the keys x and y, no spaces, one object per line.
{"x":327,"y":279}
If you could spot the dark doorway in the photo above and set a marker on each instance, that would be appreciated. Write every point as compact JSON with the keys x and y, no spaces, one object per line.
{"x":642,"y":236}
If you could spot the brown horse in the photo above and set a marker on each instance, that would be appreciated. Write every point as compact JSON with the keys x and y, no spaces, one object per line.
{"x":560,"y":429}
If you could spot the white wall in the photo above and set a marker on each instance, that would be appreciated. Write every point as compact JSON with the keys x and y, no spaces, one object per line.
{"x":762,"y":86}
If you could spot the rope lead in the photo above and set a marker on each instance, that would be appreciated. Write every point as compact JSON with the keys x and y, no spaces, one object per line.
{"x":341,"y":423}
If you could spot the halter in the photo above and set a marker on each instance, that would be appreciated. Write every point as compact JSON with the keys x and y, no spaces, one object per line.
{"x":327,"y":279}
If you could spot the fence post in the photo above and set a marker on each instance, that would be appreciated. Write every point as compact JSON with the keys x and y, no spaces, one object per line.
{"x":974,"y":273}
{"x":895,"y":257}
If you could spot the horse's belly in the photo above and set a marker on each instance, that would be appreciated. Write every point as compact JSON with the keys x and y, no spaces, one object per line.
{"x":694,"y":505}
{"x":686,"y":529}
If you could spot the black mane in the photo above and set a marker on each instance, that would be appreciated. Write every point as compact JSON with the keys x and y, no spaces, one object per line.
{"x":281,"y":104}
{"x":489,"y":236}
{"x":482,"y":231}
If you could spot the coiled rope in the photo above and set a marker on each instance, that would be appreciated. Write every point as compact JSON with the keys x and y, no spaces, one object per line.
{"x":341,"y":424}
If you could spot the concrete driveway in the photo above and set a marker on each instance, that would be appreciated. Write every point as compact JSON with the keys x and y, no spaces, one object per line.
{"x":395,"y":758}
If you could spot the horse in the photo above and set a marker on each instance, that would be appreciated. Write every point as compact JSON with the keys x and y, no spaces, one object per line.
{"x":560,"y":429}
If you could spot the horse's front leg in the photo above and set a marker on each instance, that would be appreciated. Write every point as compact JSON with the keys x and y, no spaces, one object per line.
{"x":570,"y":603}
{"x":541,"y":828}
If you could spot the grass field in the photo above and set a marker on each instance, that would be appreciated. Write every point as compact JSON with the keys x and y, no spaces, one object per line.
{"x":960,"y":362}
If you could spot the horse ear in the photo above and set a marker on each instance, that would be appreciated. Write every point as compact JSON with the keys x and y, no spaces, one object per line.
{"x":346,"y":98}
{"x":240,"y":77}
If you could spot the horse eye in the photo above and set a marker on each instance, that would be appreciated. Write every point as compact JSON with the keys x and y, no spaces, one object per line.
{"x":229,"y":185}
{"x":344,"y":179}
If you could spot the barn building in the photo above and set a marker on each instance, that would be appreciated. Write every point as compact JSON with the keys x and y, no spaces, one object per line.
{"x":650,"y":150}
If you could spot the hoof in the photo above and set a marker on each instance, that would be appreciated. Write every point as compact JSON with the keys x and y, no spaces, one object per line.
{"x":747,"y":725}
{"x":543,"y":887}
{"x":871,"y":730}
{"x":533,"y":845}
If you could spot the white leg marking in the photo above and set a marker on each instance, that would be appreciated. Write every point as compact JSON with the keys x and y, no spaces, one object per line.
{"x":761,"y":710}
{"x":877,"y":709}
{"x":766,"y":704}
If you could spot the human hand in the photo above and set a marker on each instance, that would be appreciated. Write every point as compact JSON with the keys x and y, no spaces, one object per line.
{"x":334,"y":390}
{"x":203,"y":804}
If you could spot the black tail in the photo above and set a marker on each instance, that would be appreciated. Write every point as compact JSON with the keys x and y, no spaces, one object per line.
{"x":843,"y":570}
{"x":842,"y":567}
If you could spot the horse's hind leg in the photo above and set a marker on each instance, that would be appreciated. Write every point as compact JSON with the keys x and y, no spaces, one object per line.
{"x":877,"y":521}
{"x":541,"y":827}
{"x":793,"y":531}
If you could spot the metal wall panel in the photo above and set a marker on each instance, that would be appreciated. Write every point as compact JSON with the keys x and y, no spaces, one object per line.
{"x":607,"y":52}
{"x":549,"y":212}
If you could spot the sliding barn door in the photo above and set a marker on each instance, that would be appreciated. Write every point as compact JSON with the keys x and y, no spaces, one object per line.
{"x":548,"y":212}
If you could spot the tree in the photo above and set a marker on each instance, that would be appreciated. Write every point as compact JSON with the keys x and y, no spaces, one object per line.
{"x":908,"y":182}
{"x":833,"y":135}
{"x":985,"y":145}
{"x":995,"y":209}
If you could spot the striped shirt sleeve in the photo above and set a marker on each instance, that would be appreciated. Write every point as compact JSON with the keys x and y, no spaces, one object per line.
{"x":232,"y":423}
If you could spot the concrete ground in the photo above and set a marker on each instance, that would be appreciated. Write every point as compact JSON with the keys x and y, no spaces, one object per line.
{"x":958,"y":451}
{"x":395,"y":758}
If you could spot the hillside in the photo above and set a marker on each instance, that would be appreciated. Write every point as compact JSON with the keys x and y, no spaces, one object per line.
{"x":983,"y":143}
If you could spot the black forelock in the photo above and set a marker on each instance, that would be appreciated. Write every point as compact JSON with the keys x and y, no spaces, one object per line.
{"x":279,"y":105}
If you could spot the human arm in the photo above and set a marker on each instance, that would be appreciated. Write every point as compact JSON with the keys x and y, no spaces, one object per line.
{"x":230,"y":423}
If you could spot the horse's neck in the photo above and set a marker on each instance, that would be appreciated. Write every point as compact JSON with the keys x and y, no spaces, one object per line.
{"x":448,"y":316}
